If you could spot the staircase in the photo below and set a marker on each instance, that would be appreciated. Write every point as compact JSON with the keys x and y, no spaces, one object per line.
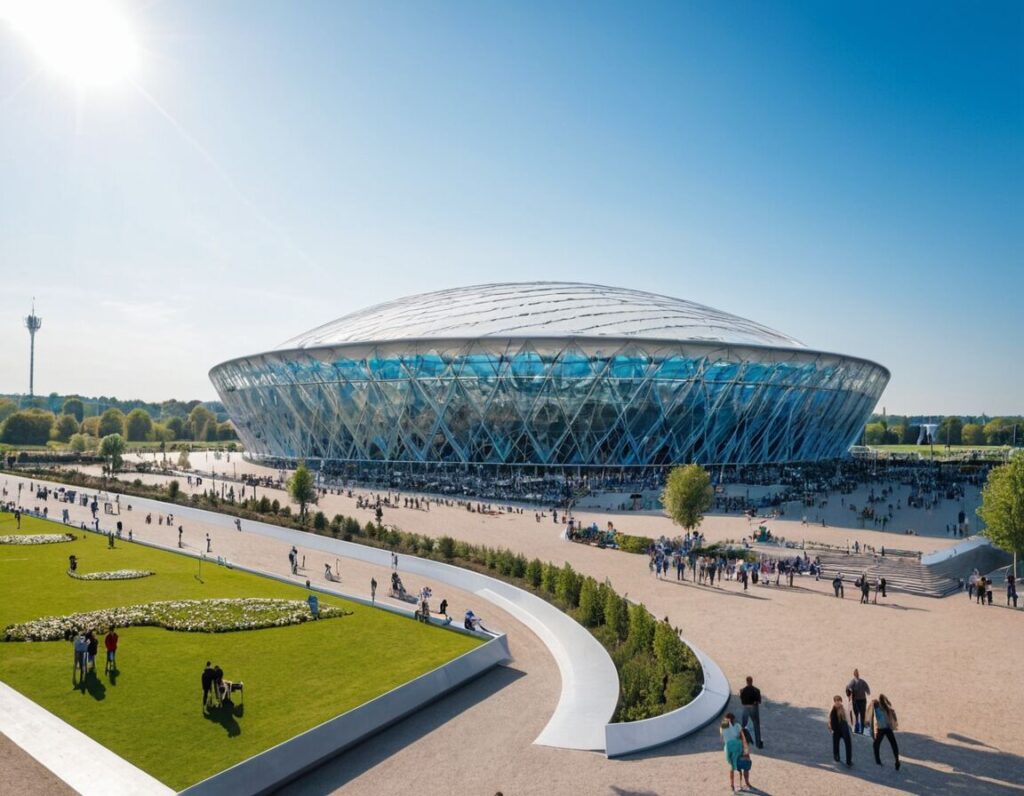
{"x":900,"y":573}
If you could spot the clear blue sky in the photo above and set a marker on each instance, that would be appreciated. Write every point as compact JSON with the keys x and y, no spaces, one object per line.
{"x":849,"y":173}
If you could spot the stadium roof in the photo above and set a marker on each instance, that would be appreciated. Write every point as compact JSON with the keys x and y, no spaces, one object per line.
{"x":540,"y":309}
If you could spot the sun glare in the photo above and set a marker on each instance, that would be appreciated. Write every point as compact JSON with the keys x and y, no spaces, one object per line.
{"x":87,"y":41}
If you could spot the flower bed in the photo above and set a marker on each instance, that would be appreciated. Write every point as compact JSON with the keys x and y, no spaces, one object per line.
{"x":37,"y":538}
{"x":197,"y":616}
{"x":117,"y":574}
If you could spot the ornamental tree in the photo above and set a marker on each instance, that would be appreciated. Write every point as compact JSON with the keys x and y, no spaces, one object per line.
{"x":302,"y":489}
{"x":1002,"y":507}
{"x":687,"y":495}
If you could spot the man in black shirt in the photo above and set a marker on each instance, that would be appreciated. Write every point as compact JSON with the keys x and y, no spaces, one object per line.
{"x":208,"y":677}
{"x":750,"y":698}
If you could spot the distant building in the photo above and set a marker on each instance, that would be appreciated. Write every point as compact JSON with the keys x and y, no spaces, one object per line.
{"x":549,"y":375}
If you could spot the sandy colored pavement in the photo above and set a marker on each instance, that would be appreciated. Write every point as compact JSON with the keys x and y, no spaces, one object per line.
{"x":951,"y":668}
{"x":22,"y":774}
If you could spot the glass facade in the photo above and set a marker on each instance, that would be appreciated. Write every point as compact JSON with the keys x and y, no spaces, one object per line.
{"x":548,"y":401}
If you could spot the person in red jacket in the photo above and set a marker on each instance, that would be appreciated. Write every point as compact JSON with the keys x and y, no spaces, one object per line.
{"x":110,"y":642}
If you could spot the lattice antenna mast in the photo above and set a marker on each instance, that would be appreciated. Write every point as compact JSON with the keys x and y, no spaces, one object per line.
{"x":33,"y":323}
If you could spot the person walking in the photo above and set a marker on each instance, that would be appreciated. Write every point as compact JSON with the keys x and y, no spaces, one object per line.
{"x":865,"y":589}
{"x":881,"y":585}
{"x":837,"y":585}
{"x":735,"y":745}
{"x":1011,"y":589}
{"x":750,"y":699}
{"x":858,"y":690}
{"x":373,"y":590}
{"x":884,"y":725}
{"x":208,"y":549}
{"x":840,"y":729}
{"x":180,"y":532}
{"x":980,"y":589}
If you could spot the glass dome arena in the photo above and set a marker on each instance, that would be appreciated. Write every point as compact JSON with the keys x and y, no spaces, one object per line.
{"x":547,"y":374}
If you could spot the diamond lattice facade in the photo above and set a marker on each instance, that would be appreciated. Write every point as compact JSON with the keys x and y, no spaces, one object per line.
{"x":547,"y":374}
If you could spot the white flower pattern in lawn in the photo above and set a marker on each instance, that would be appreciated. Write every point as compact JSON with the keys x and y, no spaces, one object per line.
{"x":197,"y":616}
{"x":37,"y":538}
{"x":117,"y":574}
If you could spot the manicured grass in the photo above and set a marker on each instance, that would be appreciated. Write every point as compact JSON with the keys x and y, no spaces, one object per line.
{"x":941,"y":451}
{"x":150,"y":713}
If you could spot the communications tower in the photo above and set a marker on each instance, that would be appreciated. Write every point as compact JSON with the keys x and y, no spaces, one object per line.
{"x":33,"y":323}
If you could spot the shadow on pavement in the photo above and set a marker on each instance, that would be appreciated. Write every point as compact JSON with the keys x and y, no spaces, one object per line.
{"x":799,"y":735}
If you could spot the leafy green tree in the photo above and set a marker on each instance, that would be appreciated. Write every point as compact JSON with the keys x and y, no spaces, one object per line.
{"x":616,"y":614}
{"x":138,"y":425}
{"x":590,"y":613}
{"x":687,"y":495}
{"x":75,"y":407}
{"x":161,"y":433}
{"x":64,"y":428}
{"x":446,"y":547}
{"x":197,"y":421}
{"x":112,"y":447}
{"x":226,"y":431}
{"x":874,"y":434}
{"x":973,"y":434}
{"x":534,"y":572}
{"x":668,"y":649}
{"x":950,"y":431}
{"x":302,"y":489}
{"x":80,"y":442}
{"x":641,"y":630}
{"x":1002,"y":507}
{"x":7,"y":408}
{"x":173,"y":488}
{"x":998,"y":431}
{"x":176,"y":426}
{"x":27,"y":427}
{"x":320,"y":521}
{"x":111,"y":422}
{"x":183,"y":462}
{"x":91,"y":426}
{"x":568,"y":587}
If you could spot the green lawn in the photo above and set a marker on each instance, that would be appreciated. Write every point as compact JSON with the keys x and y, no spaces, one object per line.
{"x":150,"y":713}
{"x":941,"y":451}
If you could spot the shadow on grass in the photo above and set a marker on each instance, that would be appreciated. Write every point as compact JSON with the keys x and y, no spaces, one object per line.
{"x":373,"y":751}
{"x":91,"y":685}
{"x":929,"y":765}
{"x":225,"y":716}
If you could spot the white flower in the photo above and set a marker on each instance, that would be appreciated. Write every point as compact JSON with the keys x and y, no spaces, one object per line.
{"x":38,"y":538}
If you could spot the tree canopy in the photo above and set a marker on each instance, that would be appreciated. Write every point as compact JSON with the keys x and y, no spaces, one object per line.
{"x":112,"y":447}
{"x":302,"y":489}
{"x":1002,"y":506}
{"x":687,"y":495}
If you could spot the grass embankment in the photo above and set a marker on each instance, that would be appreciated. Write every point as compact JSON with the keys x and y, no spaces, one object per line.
{"x":150,"y":713}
